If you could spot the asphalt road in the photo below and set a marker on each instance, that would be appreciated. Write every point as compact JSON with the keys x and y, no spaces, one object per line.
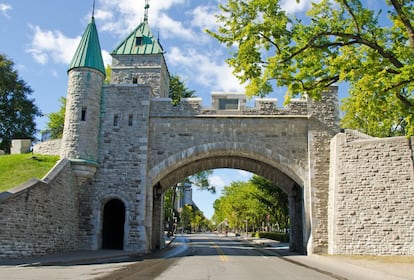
{"x":203,"y":256}
{"x":208,"y":256}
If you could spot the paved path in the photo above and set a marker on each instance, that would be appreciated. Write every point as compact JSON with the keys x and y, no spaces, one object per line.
{"x":85,"y":265}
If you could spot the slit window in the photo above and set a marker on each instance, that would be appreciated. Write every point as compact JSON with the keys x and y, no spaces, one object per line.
{"x":116,"y":120}
{"x":135,"y":80}
{"x":130,"y":120}
{"x":83,"y":114}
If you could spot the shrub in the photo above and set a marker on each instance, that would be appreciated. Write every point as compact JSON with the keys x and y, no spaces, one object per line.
{"x":278,"y":236}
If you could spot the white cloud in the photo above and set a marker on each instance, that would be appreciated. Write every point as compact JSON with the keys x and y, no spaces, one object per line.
{"x":204,"y":17}
{"x":171,"y":28}
{"x":4,"y":8}
{"x":122,"y":16}
{"x":292,"y":6}
{"x":103,"y":15}
{"x":217,"y":75}
{"x":52,"y":45}
{"x":217,"y":182}
{"x":107,"y":58}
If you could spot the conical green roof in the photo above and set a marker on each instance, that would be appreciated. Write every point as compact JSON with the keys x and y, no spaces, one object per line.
{"x":140,"y":41}
{"x":89,"y":53}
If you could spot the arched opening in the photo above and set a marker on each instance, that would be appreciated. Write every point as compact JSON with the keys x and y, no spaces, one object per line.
{"x":113,"y":225}
{"x":291,"y":185}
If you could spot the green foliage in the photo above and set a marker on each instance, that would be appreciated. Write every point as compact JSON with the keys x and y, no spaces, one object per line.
{"x":274,"y":199}
{"x":178,"y":90}
{"x":17,"y":169}
{"x":338,"y":41}
{"x":192,"y":219}
{"x":278,"y":236}
{"x":257,"y":201}
{"x":200,"y":180}
{"x":57,"y":120}
{"x":17,"y":111}
{"x":108,"y":71}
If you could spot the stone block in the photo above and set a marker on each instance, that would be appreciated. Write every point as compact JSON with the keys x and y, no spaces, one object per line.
{"x":20,"y":146}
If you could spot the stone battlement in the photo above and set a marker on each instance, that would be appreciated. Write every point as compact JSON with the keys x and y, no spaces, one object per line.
{"x":228,"y":104}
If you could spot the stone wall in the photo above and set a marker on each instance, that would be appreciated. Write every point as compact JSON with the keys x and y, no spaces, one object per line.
{"x":40,"y":216}
{"x":51,"y":147}
{"x":122,"y":160}
{"x":142,"y":70}
{"x":371,"y":196}
{"x":323,"y":125}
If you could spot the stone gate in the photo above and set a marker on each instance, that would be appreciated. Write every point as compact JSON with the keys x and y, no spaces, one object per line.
{"x":145,"y":145}
{"x":124,"y":144}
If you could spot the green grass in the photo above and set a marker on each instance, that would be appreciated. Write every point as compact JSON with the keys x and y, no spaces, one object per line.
{"x":17,"y":169}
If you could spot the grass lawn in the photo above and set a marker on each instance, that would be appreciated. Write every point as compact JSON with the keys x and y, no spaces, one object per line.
{"x":17,"y":169}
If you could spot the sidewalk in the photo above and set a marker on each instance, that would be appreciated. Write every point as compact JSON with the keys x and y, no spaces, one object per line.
{"x":73,"y":258}
{"x":79,"y":257}
{"x":79,"y":265}
{"x":343,"y":267}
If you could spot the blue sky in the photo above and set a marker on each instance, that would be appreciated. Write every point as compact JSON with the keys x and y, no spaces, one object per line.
{"x":41,"y":36}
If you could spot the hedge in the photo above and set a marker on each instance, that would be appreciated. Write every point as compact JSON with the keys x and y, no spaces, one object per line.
{"x":278,"y":236}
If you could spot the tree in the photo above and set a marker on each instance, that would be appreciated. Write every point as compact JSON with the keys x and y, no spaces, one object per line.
{"x":238,"y":204}
{"x":17,"y":110}
{"x":274,"y":199}
{"x":200,"y":180}
{"x":256,"y":202}
{"x":108,"y":72}
{"x":178,"y":90}
{"x":338,"y":41}
{"x":57,"y":120}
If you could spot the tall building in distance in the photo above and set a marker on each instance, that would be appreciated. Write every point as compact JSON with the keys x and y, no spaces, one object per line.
{"x":184,"y":196}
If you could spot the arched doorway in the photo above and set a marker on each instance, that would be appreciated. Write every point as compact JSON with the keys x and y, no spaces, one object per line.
{"x":280,"y":175}
{"x":113,"y":225}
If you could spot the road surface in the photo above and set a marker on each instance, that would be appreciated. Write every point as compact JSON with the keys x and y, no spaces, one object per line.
{"x":209,"y":256}
{"x":199,"y":257}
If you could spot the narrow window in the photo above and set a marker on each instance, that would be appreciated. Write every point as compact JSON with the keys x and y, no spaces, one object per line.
{"x":116,"y":120}
{"x":135,"y":80}
{"x":138,"y":41}
{"x":130,"y":120}
{"x":83,"y":114}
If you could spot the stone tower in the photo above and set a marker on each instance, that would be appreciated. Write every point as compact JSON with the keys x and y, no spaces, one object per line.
{"x":139,"y":59}
{"x":83,"y":104}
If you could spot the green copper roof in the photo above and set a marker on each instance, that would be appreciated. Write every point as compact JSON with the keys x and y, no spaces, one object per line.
{"x":89,"y":53}
{"x":140,"y":41}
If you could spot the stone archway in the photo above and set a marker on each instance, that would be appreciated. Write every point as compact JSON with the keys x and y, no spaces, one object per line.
{"x":113,"y":222}
{"x":292,"y":187}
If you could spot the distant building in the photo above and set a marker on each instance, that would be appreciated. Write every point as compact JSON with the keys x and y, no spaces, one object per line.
{"x":184,"y":196}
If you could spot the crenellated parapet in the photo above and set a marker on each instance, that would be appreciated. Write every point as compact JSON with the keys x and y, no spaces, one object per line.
{"x":228,"y":104}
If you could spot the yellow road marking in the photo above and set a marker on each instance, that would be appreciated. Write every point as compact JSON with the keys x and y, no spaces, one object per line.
{"x":223,"y":257}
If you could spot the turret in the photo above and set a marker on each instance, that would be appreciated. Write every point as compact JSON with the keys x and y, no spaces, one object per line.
{"x":139,"y":59}
{"x":82,"y":118}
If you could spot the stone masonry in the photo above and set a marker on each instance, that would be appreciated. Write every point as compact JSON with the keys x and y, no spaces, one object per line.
{"x":40,"y":216}
{"x":124,"y":144}
{"x":371,"y":196}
